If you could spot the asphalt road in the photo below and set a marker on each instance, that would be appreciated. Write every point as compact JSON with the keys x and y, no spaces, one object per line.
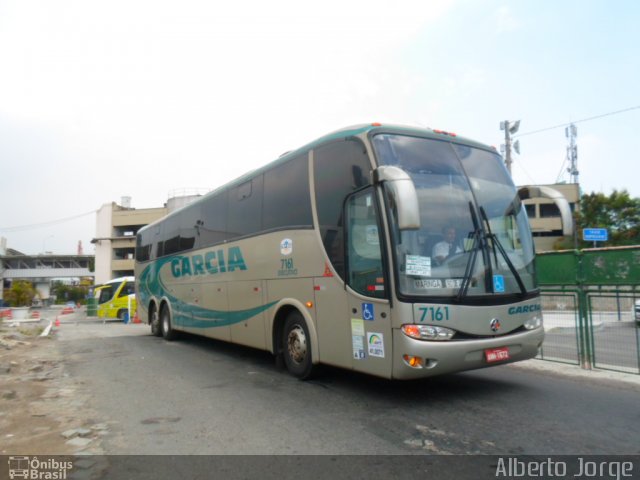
{"x":198,"y":396}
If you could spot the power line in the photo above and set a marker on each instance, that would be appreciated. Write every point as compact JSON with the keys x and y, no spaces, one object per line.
{"x":33,"y":226}
{"x":579,"y":121}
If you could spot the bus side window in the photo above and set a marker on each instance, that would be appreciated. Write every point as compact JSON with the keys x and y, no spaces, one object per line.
{"x":339,"y":168}
{"x":364,"y":255}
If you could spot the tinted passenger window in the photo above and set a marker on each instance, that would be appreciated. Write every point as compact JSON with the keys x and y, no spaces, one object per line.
{"x":179,"y":231}
{"x":245,"y":208}
{"x":143,"y":246}
{"x":339,"y":168}
{"x":171,"y":235}
{"x":213,"y":228}
{"x":286,"y":195}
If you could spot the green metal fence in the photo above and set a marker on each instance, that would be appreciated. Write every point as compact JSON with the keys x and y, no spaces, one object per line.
{"x":562,"y":323}
{"x":588,"y":302}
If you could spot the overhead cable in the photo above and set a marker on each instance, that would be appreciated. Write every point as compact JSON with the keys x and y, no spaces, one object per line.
{"x":20,"y":228}
{"x":578,"y":121}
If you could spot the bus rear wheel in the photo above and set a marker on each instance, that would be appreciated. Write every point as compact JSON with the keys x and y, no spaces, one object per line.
{"x":296,"y":345}
{"x":165,"y":325}
{"x":155,"y":323}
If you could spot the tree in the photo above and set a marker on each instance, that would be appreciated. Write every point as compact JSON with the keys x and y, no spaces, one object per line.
{"x":619,"y":213}
{"x":69,"y":293}
{"x":20,"y":294}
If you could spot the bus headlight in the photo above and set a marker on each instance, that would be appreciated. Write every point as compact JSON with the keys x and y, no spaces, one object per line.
{"x":533,"y":322}
{"x":428,"y":332}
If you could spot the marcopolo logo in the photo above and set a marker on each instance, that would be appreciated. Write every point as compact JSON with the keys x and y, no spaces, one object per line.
{"x":38,"y":469}
{"x":209,"y":263}
{"x":495,"y":324}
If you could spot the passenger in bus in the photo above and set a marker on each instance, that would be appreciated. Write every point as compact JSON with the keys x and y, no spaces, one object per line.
{"x":447,"y":247}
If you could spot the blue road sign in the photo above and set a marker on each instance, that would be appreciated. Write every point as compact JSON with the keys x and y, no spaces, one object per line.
{"x":595,"y":235}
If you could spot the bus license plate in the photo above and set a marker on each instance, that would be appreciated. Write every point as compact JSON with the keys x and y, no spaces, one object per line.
{"x":496,"y":354}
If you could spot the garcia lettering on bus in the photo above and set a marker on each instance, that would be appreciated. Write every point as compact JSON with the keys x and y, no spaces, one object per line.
{"x":524,"y":309}
{"x":210,"y":263}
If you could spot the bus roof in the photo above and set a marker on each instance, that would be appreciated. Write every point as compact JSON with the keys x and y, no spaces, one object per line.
{"x":120,"y":279}
{"x":355,"y":130}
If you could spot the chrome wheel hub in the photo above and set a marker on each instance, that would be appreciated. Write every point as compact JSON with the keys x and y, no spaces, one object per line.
{"x":297,"y":344}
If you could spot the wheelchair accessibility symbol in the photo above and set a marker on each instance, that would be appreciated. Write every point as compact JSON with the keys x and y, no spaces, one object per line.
{"x":498,"y":283}
{"x":367,"y":311}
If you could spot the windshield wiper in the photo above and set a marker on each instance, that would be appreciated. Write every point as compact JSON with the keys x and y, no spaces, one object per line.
{"x":471,"y":263}
{"x":495,"y":242}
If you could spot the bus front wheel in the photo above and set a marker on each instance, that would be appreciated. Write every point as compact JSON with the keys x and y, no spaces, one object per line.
{"x":296,"y":345}
{"x":165,"y":325}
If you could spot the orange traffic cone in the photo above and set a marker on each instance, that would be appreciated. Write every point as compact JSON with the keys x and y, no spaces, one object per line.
{"x":136,"y":318}
{"x":57,"y":324}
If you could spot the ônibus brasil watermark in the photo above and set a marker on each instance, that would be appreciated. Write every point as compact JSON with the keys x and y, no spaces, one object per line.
{"x":33,"y":468}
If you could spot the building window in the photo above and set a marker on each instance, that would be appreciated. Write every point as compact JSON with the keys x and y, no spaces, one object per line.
{"x":549,"y":210}
{"x":531,"y":210}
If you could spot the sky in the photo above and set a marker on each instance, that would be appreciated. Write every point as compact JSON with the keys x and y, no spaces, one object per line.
{"x":138,"y":98}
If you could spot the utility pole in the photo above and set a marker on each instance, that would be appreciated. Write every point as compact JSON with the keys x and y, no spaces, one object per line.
{"x":509,"y":128}
{"x":571,"y":132}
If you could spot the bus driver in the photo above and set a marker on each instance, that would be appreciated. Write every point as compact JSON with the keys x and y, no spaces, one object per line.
{"x":447,"y":247}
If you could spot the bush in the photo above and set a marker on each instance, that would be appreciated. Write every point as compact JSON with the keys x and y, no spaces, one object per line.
{"x":20,"y":294}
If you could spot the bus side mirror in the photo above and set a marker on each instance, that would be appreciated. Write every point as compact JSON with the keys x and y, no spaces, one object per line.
{"x":403,"y":194}
{"x":538,"y":191}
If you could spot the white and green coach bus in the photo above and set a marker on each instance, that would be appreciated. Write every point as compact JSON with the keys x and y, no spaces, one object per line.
{"x":335,"y":254}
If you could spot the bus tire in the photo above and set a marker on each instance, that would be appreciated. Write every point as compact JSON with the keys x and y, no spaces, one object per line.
{"x":296,"y":346}
{"x":165,"y":325}
{"x":155,"y":323}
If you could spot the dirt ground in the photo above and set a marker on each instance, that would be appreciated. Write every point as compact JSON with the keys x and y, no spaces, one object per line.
{"x":42,"y":410}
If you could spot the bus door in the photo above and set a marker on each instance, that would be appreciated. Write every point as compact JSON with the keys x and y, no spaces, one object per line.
{"x":369,"y":311}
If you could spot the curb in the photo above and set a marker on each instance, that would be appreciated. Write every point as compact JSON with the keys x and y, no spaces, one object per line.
{"x":47,"y":330}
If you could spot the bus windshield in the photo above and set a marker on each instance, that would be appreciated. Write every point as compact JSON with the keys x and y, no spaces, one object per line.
{"x":474,"y":238}
{"x":107,"y":292}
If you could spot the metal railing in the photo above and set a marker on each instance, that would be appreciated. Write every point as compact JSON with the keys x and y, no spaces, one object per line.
{"x":588,"y":299}
{"x":595,"y":329}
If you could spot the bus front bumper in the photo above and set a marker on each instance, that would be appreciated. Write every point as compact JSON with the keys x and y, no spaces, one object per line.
{"x":440,"y":357}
